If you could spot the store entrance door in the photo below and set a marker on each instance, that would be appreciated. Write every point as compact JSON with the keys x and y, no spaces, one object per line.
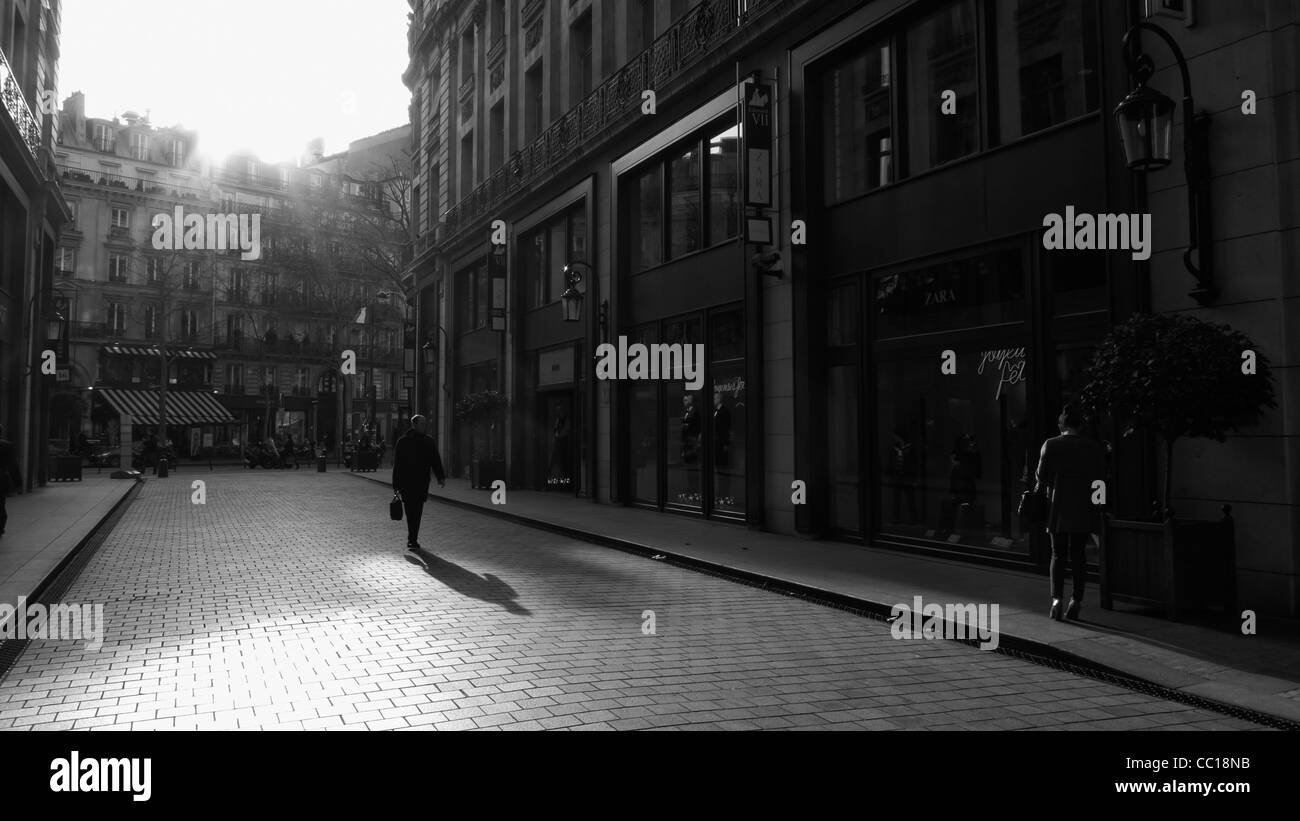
{"x":556,"y":456}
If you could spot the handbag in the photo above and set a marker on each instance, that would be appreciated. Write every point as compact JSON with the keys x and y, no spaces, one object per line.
{"x":395,"y":507}
{"x":1033,"y":507}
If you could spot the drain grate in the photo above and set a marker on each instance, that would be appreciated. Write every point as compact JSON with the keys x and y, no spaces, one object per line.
{"x":52,"y":592}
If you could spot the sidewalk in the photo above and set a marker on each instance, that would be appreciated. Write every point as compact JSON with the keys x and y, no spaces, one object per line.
{"x":48,"y":524}
{"x":1260,"y":672}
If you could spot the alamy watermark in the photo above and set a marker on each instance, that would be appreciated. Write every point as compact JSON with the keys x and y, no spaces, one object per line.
{"x":58,"y":622}
{"x":1102,"y":232}
{"x":952,"y":621}
{"x":654,"y":361}
{"x":208,"y":232}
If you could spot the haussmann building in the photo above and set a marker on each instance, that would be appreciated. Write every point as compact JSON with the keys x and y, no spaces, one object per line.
{"x":913,"y":151}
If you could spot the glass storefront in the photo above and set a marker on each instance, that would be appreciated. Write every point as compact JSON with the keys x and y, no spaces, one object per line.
{"x":687,"y":447}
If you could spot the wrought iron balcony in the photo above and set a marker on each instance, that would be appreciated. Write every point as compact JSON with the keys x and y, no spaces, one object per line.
{"x":702,"y":31}
{"x":16,"y":105}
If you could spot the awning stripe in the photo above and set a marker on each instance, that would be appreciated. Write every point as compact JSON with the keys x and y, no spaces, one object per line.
{"x":183,"y":407}
{"x":133,"y":350}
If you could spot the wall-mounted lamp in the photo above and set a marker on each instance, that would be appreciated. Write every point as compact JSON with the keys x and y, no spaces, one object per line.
{"x":1145,"y":120}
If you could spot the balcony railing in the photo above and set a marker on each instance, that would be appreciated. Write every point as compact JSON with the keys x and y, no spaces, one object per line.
{"x":94,"y":176}
{"x":698,"y":33}
{"x":95,"y":330}
{"x":14,"y":103}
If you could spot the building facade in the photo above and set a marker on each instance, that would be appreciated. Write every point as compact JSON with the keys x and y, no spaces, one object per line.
{"x":32,"y":212}
{"x":251,"y":341}
{"x":917,"y":150}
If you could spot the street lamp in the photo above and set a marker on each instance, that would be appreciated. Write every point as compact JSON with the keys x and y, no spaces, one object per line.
{"x":571,"y":300}
{"x":1145,"y":121}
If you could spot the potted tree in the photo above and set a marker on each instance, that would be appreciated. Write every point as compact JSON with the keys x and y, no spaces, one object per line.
{"x":485,"y":413}
{"x":1174,"y":377}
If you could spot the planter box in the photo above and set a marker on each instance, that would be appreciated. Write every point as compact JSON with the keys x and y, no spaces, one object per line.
{"x":483,"y":472}
{"x":67,"y":469}
{"x":1176,"y":564}
{"x":364,"y":460}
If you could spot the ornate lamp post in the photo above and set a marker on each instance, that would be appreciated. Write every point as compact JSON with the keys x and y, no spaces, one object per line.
{"x":1145,"y":121}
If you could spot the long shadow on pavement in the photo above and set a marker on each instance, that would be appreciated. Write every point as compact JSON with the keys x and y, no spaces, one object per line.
{"x":486,"y":588}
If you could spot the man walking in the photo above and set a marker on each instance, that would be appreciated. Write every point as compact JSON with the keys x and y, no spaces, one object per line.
{"x":1069,"y":464}
{"x":413,"y":458}
{"x":11,"y":478}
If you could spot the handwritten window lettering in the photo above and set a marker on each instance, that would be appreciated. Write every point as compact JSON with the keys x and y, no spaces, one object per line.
{"x":1008,"y":363}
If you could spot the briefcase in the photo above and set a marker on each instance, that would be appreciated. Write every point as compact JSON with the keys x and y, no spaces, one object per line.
{"x":395,"y":508}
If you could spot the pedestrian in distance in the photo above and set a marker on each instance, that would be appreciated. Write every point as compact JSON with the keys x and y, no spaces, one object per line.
{"x":414,"y":458}
{"x":1067,"y":467}
{"x":11,"y":478}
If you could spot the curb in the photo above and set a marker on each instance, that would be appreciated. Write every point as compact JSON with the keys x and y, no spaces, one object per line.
{"x":1027,"y":649}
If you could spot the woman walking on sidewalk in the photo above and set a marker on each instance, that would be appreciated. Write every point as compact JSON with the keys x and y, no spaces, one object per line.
{"x":1068,"y":465}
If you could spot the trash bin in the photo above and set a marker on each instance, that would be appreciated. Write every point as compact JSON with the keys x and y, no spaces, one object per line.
{"x":320,"y":464}
{"x":162,"y":467}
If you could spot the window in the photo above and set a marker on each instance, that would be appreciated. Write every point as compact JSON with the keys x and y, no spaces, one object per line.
{"x":154,"y":268}
{"x":117,"y":318}
{"x":238,"y":290}
{"x":234,"y":378}
{"x":189,"y":322}
{"x":467,"y":164}
{"x":390,"y":385}
{"x":724,"y":186}
{"x":269,"y":289}
{"x":103,"y":137}
{"x":74,"y":207}
{"x":302,"y":380}
{"x":139,"y":146}
{"x":702,"y":199}
{"x":192,"y":275}
{"x":640,"y":26}
{"x":684,"y":203}
{"x":646,"y":225}
{"x":121,"y":217}
{"x":498,"y":20}
{"x":150,"y":322}
{"x":533,"y":102}
{"x":466,"y":54}
{"x":284,"y":179}
{"x":65,"y":261}
{"x":857,"y":124}
{"x":254,"y":176}
{"x":497,"y":136}
{"x":176,"y":153}
{"x":472,"y":295}
{"x":547,"y":249}
{"x":117,"y":267}
{"x":316,"y":182}
{"x":941,"y":57}
{"x":1046,"y":64}
{"x":988,"y":289}
{"x":580,"y":66}
{"x":269,"y":380}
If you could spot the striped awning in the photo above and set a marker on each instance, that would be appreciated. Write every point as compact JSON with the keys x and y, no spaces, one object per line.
{"x":140,"y":350}
{"x":183,"y":407}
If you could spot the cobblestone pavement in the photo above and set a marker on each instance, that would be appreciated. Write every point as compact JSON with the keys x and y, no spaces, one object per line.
{"x":288,"y":601}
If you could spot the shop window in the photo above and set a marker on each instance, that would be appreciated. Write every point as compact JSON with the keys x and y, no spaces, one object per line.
{"x":964,"y":293}
{"x":686,"y":412}
{"x":857,"y":124}
{"x":842,"y":433}
{"x":940,"y":58}
{"x":1077,"y":282}
{"x":643,"y":426}
{"x":725,"y":431}
{"x":1046,"y":63}
{"x":955,"y":450}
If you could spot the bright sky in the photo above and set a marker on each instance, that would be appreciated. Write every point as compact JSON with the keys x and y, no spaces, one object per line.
{"x":265,"y":75}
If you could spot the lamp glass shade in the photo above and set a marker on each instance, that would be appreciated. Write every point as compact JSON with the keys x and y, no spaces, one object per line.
{"x":54,"y":328}
{"x":571,"y":300}
{"x":430,"y":356}
{"x":1146,"y":129}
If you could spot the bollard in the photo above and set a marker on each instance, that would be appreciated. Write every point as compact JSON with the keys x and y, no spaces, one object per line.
{"x":320,"y":464}
{"x":162,"y":467}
